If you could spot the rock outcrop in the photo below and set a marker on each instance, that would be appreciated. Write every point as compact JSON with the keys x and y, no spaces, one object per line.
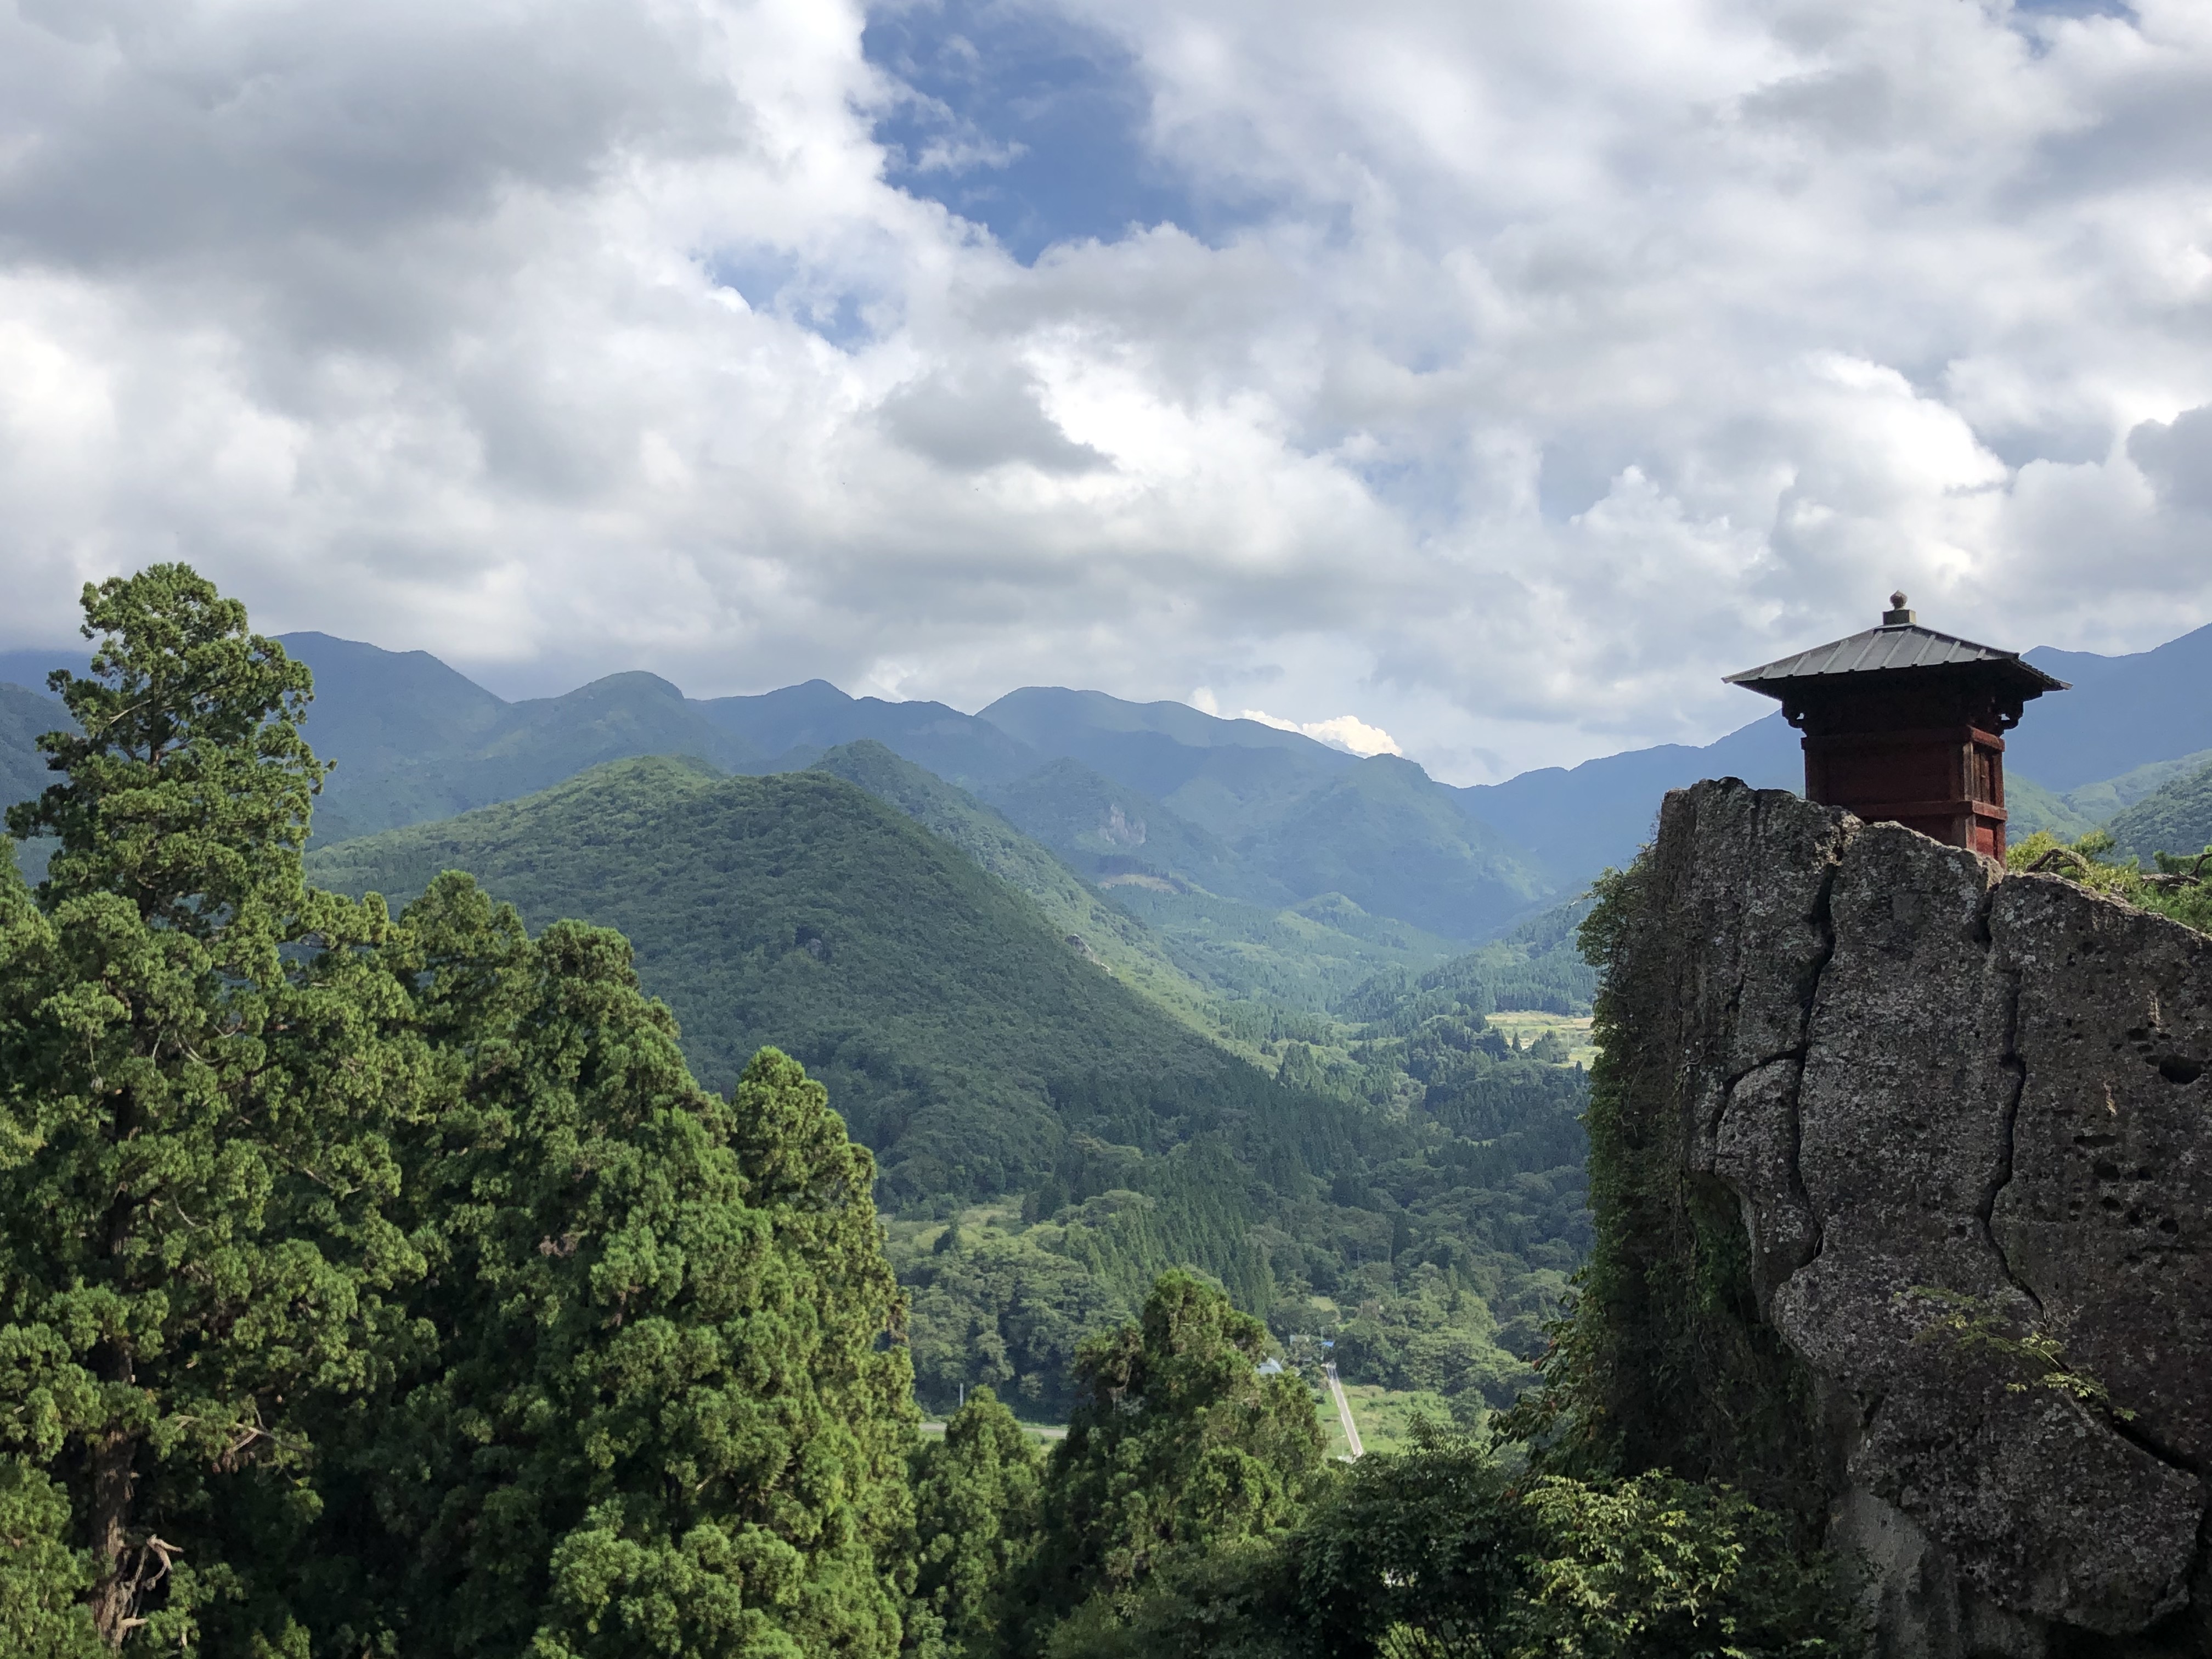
{"x":1967,"y":1118}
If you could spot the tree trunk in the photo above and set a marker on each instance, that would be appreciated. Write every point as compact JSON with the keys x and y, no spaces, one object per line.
{"x":115,"y":1596}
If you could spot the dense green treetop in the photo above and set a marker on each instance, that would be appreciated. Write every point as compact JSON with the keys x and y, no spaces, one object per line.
{"x":376,"y":1287}
{"x":647,"y":1406}
{"x":1448,"y":1549}
{"x":976,"y":1493}
{"x":1178,"y":1446}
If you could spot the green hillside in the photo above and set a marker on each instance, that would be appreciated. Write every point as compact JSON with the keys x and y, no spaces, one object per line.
{"x":1302,"y":956}
{"x":2175,"y":818}
{"x":1387,"y":838}
{"x":1107,"y":830}
{"x":1238,"y":932}
{"x":939,"y":1006}
{"x":24,"y":715}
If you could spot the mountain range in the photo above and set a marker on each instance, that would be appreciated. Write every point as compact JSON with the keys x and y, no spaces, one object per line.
{"x":1215,"y":829}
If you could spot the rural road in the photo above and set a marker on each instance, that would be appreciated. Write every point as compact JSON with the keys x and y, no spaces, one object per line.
{"x":1344,"y":1411}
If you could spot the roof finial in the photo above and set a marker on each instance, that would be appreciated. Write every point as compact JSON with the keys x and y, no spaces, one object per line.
{"x":1897,"y":616}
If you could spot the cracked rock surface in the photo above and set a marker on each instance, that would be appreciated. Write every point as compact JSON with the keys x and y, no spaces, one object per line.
{"x":1968,"y":1119}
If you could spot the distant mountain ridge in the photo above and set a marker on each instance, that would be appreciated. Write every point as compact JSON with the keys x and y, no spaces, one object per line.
{"x":1128,"y":793}
{"x":1239,"y":809}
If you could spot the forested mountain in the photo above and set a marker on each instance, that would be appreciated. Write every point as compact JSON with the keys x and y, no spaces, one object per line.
{"x":795,"y":725}
{"x":1089,"y":922}
{"x":941,"y":1007}
{"x":1273,"y":817}
{"x":2175,"y":818}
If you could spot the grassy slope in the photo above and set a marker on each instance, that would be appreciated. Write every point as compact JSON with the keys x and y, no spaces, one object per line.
{"x":938,"y":1004}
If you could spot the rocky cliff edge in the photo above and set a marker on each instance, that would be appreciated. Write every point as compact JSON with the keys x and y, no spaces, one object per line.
{"x":1967,"y":1117}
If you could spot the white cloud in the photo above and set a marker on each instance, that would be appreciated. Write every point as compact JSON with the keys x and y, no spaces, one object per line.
{"x":1570,"y":358}
{"x":1345,"y":731}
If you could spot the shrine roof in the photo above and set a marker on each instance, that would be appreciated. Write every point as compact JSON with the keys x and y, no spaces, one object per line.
{"x":1899,"y":643}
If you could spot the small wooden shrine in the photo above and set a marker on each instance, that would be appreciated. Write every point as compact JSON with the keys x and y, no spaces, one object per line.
{"x":1903,"y":724}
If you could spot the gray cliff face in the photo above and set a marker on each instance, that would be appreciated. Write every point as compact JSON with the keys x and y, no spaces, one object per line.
{"x":1967,"y":1116}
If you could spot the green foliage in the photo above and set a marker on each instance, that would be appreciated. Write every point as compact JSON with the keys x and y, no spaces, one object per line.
{"x":644,"y":1397}
{"x":1435,"y":1336}
{"x":42,"y":1579}
{"x":976,"y":1496}
{"x":1178,"y":1447}
{"x":1001,"y":1313}
{"x":1653,"y":1565}
{"x":387,"y":1288}
{"x":2177,"y":888}
{"x":1663,"y":1361}
{"x":1972,"y":1326}
{"x":1442,"y":1550}
{"x":192,"y":1235}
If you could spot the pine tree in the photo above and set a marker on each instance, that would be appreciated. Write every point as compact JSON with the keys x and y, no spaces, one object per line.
{"x":191,"y":1241}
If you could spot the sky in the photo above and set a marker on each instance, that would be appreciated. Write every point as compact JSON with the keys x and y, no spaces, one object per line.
{"x":1479,"y":381}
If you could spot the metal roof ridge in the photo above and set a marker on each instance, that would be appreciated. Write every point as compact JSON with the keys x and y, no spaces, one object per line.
{"x":1877,"y":649}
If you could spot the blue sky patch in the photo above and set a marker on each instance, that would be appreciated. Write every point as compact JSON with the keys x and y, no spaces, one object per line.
{"x":1027,"y":123}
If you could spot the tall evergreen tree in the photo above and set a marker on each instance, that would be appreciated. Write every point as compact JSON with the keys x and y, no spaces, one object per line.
{"x":191,"y":1237}
{"x":656,"y":1411}
{"x":976,"y":1512}
{"x":1177,"y":1446}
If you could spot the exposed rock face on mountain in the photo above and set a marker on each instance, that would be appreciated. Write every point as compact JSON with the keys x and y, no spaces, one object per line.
{"x":1967,"y":1118}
